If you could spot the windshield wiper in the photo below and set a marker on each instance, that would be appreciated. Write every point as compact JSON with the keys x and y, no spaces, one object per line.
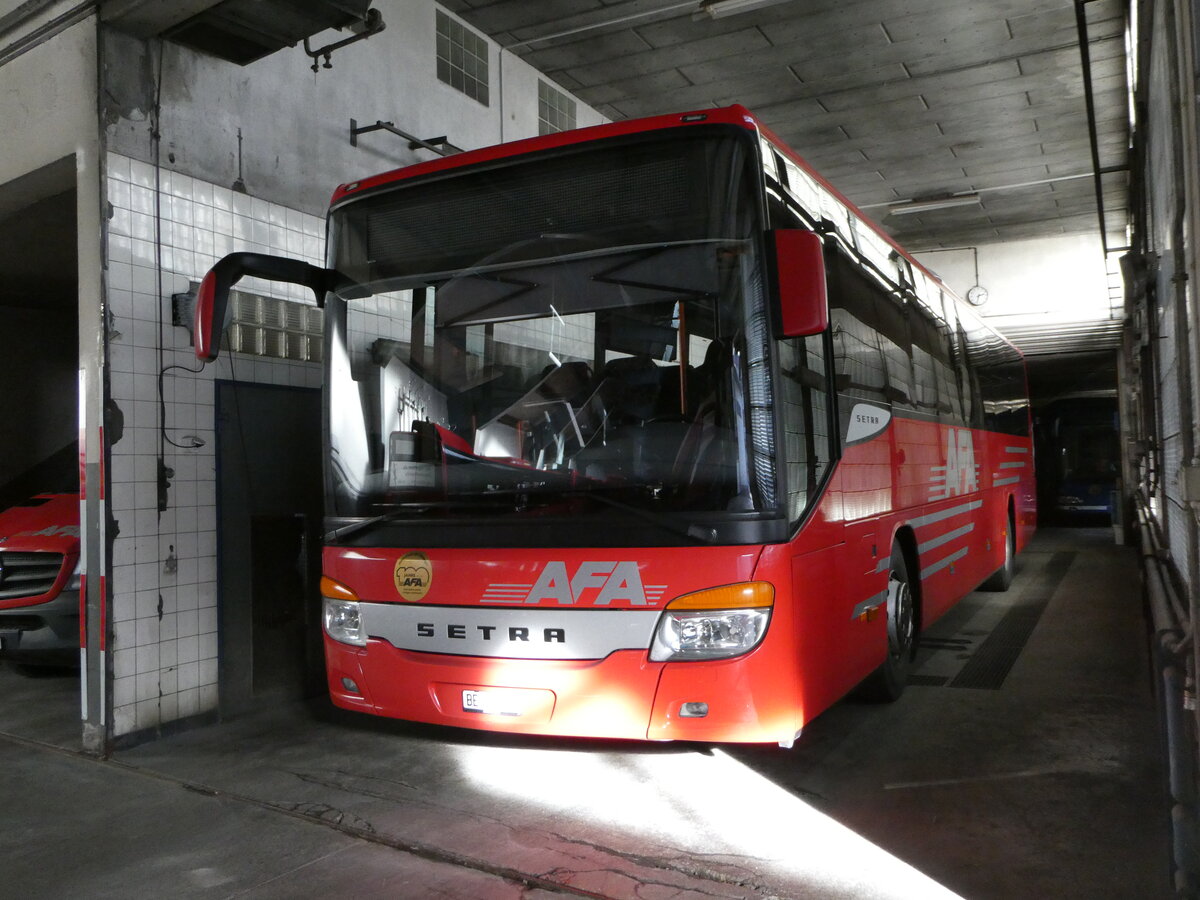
{"x":702,"y":534}
{"x":404,"y":510}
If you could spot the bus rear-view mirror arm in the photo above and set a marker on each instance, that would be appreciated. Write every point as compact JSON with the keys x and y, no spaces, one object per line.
{"x":798,"y":282}
{"x":212,"y":299}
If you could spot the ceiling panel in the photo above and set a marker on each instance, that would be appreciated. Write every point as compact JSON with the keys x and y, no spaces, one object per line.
{"x":889,"y":99}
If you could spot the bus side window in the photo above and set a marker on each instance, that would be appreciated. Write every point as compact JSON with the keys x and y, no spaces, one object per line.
{"x":895,"y":341}
{"x":1002,"y":383}
{"x":859,"y":366}
{"x":969,"y":383}
{"x":926,"y":366}
{"x":804,"y":398}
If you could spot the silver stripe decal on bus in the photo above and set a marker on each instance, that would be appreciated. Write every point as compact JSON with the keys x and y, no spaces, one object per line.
{"x":1016,"y":449}
{"x":867,"y":605}
{"x":1012,"y":465}
{"x":506,"y":593}
{"x":999,"y":482}
{"x":946,"y":538}
{"x":922,"y":521}
{"x":940,"y":490}
{"x":510,"y":633}
{"x":943,"y":563}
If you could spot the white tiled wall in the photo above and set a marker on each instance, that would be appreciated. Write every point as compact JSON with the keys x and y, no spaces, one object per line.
{"x":163,"y":595}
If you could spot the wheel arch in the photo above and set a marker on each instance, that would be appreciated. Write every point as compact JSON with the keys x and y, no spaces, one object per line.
{"x":906,"y":539}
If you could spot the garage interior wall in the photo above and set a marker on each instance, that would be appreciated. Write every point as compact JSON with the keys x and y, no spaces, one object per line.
{"x":1162,"y":304}
{"x":281,"y":134}
{"x":1048,"y":281}
{"x":1160,"y":389}
{"x":164,"y":574}
{"x":49,"y":65}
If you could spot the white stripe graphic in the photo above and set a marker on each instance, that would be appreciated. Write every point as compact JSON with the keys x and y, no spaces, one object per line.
{"x":922,"y":521}
{"x":946,"y":538}
{"x":870,"y":603}
{"x":943,"y":563}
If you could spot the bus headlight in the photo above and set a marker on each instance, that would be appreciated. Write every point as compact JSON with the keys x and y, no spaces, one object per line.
{"x":342,"y":614}
{"x":715,"y":624}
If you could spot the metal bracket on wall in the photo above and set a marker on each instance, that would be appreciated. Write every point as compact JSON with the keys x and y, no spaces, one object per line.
{"x":438,"y":145}
{"x":372,"y":23}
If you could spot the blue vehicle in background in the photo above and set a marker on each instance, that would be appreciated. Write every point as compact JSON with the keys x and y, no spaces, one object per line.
{"x":1079,"y":461}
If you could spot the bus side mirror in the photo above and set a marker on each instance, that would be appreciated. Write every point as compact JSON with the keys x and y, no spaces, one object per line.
{"x":212,"y":300}
{"x":798,"y":282}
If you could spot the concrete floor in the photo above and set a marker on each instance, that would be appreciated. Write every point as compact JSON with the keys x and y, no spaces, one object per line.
{"x":1024,"y":763}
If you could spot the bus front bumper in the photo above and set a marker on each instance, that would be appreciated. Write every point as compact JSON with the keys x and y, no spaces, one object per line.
{"x":623,"y":696}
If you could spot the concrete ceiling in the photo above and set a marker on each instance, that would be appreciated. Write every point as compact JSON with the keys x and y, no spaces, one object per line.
{"x":891,"y":100}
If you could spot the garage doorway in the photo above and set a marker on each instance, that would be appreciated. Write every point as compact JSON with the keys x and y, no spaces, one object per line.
{"x":39,"y":405}
{"x":269,"y":506}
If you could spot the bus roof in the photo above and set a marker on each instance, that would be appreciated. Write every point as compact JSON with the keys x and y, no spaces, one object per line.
{"x":729,"y":115}
{"x":848,"y":218}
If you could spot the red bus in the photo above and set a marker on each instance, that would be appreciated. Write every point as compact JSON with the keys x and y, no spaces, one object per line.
{"x":643,"y":431}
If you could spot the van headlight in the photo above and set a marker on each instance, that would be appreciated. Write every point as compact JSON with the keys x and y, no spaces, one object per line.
{"x":74,"y":582}
{"x":714,"y":624}
{"x":342,"y":613}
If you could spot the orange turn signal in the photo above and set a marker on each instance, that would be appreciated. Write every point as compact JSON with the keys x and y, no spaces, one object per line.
{"x":747,"y":595}
{"x":336,"y":590}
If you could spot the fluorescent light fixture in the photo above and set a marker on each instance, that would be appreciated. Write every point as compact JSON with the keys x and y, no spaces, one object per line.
{"x":911,"y":207}
{"x":716,"y":9}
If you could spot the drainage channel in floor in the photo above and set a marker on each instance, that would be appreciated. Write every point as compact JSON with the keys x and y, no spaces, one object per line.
{"x":988,"y":655}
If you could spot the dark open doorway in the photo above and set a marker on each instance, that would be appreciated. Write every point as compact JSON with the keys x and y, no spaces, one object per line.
{"x":268,"y":519}
{"x":39,"y":457}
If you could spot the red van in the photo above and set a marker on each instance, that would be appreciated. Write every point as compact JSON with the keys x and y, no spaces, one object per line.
{"x":39,"y":580}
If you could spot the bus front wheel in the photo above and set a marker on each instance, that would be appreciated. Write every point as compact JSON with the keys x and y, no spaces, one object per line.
{"x":887,"y":682}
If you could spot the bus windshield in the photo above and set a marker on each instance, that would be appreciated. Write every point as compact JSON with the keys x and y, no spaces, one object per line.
{"x":569,"y":335}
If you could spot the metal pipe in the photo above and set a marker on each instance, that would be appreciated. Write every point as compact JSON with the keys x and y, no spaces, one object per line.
{"x":1186,"y":65}
{"x":1165,"y":616}
{"x":1085,"y":56}
{"x":1174,"y":667}
{"x":1172,"y":613}
{"x":1186,"y":197}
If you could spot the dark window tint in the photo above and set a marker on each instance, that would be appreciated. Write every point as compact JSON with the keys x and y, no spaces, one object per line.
{"x":1001,"y":379}
{"x":859,"y":364}
{"x":804,"y":401}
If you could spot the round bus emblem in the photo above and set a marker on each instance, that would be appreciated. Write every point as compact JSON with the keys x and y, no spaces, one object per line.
{"x":413,"y":576}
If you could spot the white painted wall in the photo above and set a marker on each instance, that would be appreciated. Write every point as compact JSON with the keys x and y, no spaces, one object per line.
{"x":48,"y":102}
{"x":1043,"y":281}
{"x":164,"y":645}
{"x":295,"y":123}
{"x":48,"y":110}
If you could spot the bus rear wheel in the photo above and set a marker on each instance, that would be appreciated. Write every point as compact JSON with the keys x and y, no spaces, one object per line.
{"x":1001,"y":579}
{"x":887,"y":682}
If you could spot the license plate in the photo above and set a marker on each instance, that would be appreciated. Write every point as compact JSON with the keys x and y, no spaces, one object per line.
{"x":496,"y":703}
